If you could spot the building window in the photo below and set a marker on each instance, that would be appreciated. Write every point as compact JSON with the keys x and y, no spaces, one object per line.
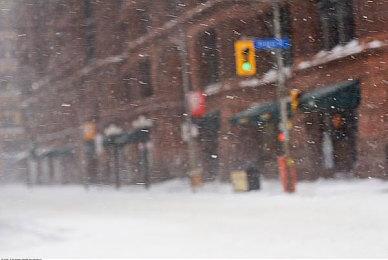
{"x":337,"y":22}
{"x":209,"y":57}
{"x":125,"y":91}
{"x":11,"y":118}
{"x":170,"y":76}
{"x":285,"y":24}
{"x":89,"y":30}
{"x":143,"y":19}
{"x":145,"y":78}
{"x":123,"y":3}
{"x":173,"y":8}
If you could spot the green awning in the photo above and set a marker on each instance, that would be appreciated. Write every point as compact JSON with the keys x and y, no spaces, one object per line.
{"x":55,"y":151}
{"x":63,"y":150}
{"x":338,"y":96}
{"x":345,"y":94}
{"x":264,"y":112}
{"x":134,"y":136}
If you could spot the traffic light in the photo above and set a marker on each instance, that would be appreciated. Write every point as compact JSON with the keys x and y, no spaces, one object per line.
{"x":245,"y":58}
{"x":281,"y":137}
{"x":295,"y":95}
{"x":337,"y":121}
{"x":89,"y":131}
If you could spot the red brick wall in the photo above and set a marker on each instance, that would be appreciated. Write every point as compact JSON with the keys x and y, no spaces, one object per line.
{"x":100,"y":93}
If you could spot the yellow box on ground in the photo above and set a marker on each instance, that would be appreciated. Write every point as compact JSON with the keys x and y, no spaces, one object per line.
{"x":239,"y":180}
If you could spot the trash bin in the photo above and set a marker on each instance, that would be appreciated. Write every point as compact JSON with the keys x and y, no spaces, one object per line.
{"x":253,"y":176}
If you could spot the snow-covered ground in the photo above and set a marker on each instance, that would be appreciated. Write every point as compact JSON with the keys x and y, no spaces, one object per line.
{"x":326,"y":218}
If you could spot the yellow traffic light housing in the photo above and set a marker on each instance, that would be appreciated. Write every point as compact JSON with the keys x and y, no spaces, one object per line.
{"x":295,"y":95}
{"x":245,"y":58}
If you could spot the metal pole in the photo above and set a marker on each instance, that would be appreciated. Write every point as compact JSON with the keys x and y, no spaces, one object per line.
{"x":282,"y":91}
{"x":186,"y":90}
{"x":145,"y":166}
{"x":116,"y":165}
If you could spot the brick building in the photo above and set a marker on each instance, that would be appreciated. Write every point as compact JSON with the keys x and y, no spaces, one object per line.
{"x":12,"y":155}
{"x":103,"y":97}
{"x":52,"y":49}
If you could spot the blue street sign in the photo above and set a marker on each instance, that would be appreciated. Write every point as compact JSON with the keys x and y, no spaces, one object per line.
{"x":271,"y":43}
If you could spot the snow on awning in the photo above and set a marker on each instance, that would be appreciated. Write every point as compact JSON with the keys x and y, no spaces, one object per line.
{"x":15,"y":158}
{"x":54,"y":151}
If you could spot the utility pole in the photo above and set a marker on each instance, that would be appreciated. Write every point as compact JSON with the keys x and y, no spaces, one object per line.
{"x":191,"y":145}
{"x":116,"y":166}
{"x":282,"y":94}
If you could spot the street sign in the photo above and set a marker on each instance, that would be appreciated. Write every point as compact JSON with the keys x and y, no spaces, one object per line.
{"x":271,"y":43}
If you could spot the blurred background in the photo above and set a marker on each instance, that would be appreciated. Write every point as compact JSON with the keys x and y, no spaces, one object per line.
{"x":218,"y":97}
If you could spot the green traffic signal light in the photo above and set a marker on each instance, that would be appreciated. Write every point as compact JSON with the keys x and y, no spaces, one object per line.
{"x":246,"y":66}
{"x":245,"y":58}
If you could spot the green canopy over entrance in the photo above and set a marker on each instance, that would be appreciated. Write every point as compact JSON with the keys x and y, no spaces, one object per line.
{"x":55,"y":151}
{"x":261,"y":113}
{"x":134,"y":136}
{"x":342,"y":95}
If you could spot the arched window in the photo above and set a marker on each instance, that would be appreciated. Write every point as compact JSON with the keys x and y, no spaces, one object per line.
{"x":209,"y":57}
{"x":126,"y":89}
{"x":143,"y":19}
{"x":337,"y":22}
{"x":145,"y":78}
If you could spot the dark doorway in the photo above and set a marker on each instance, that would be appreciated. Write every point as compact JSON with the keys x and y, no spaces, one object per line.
{"x":208,"y":129}
{"x":338,"y":139}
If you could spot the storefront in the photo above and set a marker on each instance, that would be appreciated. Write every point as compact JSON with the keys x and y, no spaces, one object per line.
{"x":128,"y":152}
{"x":51,"y":165}
{"x":329,"y":118}
{"x":258,"y":137}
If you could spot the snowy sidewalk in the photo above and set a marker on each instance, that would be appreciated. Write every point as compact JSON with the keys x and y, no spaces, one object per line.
{"x":326,"y":218}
